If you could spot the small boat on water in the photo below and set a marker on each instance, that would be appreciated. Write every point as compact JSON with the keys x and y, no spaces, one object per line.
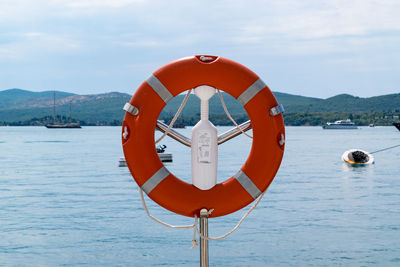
{"x":164,"y":157}
{"x":357,"y":158}
{"x":397,"y":125}
{"x":341,"y":124}
{"x":122,"y":162}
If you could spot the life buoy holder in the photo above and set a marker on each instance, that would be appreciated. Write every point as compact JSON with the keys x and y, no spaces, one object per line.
{"x":165,"y":188}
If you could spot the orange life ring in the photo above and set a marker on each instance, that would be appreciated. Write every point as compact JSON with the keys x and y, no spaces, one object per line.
{"x":174,"y":78}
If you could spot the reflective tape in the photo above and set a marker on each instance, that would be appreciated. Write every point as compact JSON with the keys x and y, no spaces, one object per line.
{"x":154,"y":180}
{"x":131,"y":109}
{"x":247,"y":184}
{"x":250,"y":92}
{"x":159,"y":88}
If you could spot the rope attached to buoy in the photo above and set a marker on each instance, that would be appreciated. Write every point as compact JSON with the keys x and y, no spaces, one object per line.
{"x":229,"y":115}
{"x":171,"y":124}
{"x":384,"y":149}
{"x":195,"y":243}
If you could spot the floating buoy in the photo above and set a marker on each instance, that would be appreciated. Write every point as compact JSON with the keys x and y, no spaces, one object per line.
{"x":357,"y":157}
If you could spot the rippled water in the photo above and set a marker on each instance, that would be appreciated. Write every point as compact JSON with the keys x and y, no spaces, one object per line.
{"x":64,"y":201}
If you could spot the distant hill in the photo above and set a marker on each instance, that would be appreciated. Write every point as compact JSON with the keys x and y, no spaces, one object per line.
{"x":20,"y":105}
{"x":349,"y":103}
{"x":297,"y":103}
{"x":17,"y":98}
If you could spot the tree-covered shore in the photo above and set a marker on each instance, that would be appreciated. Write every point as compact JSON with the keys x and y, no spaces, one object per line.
{"x":305,"y":118}
{"x":290,"y":119}
{"x":59,"y":119}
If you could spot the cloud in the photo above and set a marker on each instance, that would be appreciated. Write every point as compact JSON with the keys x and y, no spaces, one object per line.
{"x":47,"y":42}
{"x":7,"y":53}
{"x":315,"y":27}
{"x":325,"y":19}
{"x":140,"y":43}
{"x":33,"y":34}
{"x":28,"y":45}
{"x":107,"y":35}
{"x":235,"y":21}
{"x":101,"y":3}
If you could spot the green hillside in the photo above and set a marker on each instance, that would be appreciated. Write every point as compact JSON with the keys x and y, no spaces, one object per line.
{"x":349,"y":103}
{"x":192,"y":106}
{"x":16,"y":98}
{"x":290,"y":102}
{"x":18,"y":105}
{"x":21,"y":105}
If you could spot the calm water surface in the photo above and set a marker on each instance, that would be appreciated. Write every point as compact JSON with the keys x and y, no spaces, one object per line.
{"x":64,"y":201}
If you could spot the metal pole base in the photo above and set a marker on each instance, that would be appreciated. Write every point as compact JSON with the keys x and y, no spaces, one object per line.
{"x":204,"y":242}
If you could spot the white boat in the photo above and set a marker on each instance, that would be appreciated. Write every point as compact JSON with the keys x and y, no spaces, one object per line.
{"x":164,"y":157}
{"x":122,"y":162}
{"x":342,"y":124}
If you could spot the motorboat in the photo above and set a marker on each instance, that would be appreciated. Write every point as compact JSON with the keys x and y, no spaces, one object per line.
{"x":341,"y":124}
{"x":164,"y":157}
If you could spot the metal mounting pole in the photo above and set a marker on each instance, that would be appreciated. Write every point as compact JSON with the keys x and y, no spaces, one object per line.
{"x":204,"y":242}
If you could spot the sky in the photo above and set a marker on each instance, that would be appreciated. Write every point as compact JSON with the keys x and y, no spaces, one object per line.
{"x":306,"y":47}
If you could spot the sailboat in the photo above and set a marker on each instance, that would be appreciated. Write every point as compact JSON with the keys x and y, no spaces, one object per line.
{"x":55,"y":125}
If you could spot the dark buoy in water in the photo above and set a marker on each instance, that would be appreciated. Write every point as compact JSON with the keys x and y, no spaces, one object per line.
{"x":357,"y":157}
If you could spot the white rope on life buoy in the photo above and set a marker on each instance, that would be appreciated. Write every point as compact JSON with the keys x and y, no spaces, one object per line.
{"x":229,"y":115}
{"x":194,"y":225}
{"x":171,"y":124}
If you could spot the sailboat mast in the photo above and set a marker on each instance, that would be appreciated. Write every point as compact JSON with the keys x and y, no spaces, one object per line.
{"x":70,"y":112}
{"x":54,"y":107}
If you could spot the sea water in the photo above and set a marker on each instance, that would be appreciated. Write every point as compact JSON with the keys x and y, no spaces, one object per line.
{"x":65,"y":202}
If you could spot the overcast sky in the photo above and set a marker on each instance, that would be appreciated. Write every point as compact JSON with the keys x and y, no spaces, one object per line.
{"x":307,"y":47}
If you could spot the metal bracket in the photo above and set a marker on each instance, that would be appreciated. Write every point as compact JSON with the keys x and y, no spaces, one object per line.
{"x":162,"y":127}
{"x":245,"y":126}
{"x":125,"y":133}
{"x":276,"y":110}
{"x":131,"y":109}
{"x":282,"y":140}
{"x":222,"y":138}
